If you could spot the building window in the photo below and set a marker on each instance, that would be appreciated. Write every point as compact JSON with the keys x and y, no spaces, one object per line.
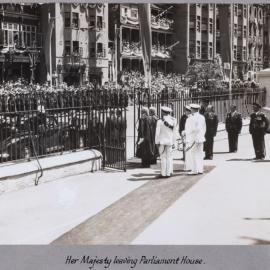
{"x":67,"y":19}
{"x":134,"y":13}
{"x":75,"y":20}
{"x":75,"y":47}
{"x":239,"y":31}
{"x":235,"y":9}
{"x":244,"y":53}
{"x":99,"y":49}
{"x":210,"y":52}
{"x":198,"y":24}
{"x":211,"y":26}
{"x":67,"y":47}
{"x":81,"y":51}
{"x":234,"y":52}
{"x":244,"y":11}
{"x":245,"y":32}
{"x":99,"y":22}
{"x":235,"y":30}
{"x":92,"y":21}
{"x":198,"y":49}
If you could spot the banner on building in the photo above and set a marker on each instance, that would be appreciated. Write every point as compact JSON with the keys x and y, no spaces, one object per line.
{"x":47,"y":47}
{"x":144,"y":12}
{"x":225,"y":37}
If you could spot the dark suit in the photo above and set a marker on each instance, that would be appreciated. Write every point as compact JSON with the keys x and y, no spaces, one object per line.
{"x":182,"y":124}
{"x":233,"y":127}
{"x":257,"y":128}
{"x":211,"y":121}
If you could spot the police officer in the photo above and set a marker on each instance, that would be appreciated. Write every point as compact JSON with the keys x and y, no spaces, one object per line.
{"x":233,"y":127}
{"x":211,"y":121}
{"x":166,"y":133}
{"x":257,"y":128}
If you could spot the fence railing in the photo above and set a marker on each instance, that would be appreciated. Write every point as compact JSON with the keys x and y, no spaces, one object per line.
{"x":221,"y":101}
{"x":38,"y":130}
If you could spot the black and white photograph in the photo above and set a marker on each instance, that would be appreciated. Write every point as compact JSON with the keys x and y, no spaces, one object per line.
{"x":134,"y":124}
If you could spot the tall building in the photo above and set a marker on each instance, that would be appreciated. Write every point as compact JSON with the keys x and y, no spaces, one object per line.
{"x":20,"y":42}
{"x":79,"y":42}
{"x":124,"y":34}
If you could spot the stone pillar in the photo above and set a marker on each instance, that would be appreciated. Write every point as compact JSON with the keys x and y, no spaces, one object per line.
{"x":263,"y":77}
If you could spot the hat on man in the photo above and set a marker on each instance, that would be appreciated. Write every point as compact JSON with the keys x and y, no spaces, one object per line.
{"x":195,"y":106}
{"x":187,"y":107}
{"x":166,"y":109}
{"x":255,"y":104}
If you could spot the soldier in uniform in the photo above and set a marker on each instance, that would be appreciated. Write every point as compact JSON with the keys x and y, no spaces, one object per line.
{"x":211,"y":121}
{"x":257,"y":128}
{"x":166,"y":133}
{"x":233,"y":127}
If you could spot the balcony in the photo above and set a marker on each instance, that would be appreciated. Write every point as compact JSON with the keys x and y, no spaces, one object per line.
{"x":133,"y":49}
{"x":72,"y":60}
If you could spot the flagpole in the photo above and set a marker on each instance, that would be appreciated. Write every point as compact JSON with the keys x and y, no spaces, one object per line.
{"x":50,"y":53}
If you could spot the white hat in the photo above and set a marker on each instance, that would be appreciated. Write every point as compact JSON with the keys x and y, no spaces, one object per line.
{"x":166,"y":109}
{"x":194,"y":106}
{"x":187,"y":107}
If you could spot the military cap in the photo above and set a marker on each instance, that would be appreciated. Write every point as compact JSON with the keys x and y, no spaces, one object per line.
{"x":187,"y":107}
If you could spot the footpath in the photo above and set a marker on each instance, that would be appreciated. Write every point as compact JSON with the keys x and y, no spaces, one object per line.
{"x":229,"y":204}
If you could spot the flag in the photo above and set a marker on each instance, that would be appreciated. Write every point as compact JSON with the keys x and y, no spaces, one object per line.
{"x":225,"y":37}
{"x":144,"y":12}
{"x":47,"y":45}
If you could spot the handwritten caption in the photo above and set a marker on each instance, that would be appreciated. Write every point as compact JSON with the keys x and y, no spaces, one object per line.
{"x":131,"y":262}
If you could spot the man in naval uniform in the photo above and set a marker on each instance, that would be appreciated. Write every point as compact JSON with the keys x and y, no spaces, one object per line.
{"x":166,"y":134}
{"x":197,"y":131}
{"x":257,"y":128}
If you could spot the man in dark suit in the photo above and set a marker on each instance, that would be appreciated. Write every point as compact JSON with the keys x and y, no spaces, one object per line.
{"x":233,"y":127}
{"x":257,"y":128}
{"x":204,"y":104}
{"x":211,"y":120}
{"x":182,"y":125}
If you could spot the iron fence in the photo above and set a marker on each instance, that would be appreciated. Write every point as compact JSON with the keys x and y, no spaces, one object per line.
{"x":243,"y":99}
{"x":39,"y":130}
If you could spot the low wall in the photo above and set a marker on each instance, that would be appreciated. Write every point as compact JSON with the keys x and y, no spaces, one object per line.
{"x":16,"y":176}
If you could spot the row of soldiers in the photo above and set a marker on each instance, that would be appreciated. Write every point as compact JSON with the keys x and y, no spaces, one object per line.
{"x":197,"y":127}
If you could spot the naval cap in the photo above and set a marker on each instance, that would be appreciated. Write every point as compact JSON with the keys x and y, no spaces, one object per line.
{"x":187,"y":107}
{"x":194,"y":106}
{"x":166,"y":109}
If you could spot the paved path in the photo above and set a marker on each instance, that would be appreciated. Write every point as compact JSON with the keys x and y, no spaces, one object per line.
{"x":229,"y":205}
{"x":124,"y":220}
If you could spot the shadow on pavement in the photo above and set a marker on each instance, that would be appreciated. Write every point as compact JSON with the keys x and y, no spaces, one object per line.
{"x":249,"y":218}
{"x":256,"y":241}
{"x":240,"y":159}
